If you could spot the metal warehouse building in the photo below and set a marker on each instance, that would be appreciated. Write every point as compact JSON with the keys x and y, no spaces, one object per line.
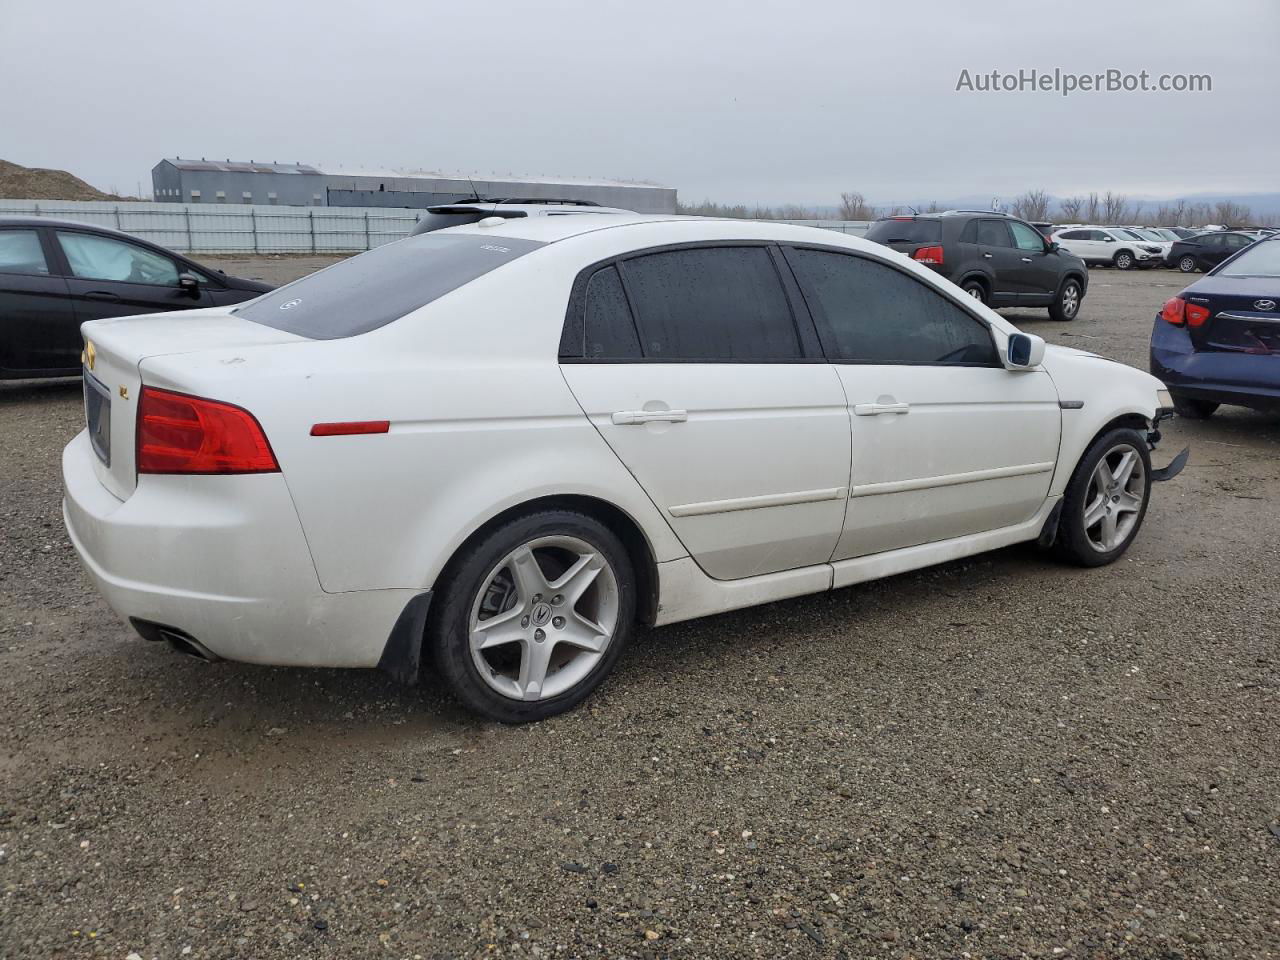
{"x":303,"y":185}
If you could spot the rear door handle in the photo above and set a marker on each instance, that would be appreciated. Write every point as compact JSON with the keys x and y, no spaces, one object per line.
{"x":1026,"y":259}
{"x":875,"y":409}
{"x":987,"y":256}
{"x":630,"y":418}
{"x":102,"y":295}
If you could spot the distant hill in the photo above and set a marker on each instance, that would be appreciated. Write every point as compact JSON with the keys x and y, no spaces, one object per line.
{"x":34,"y":183}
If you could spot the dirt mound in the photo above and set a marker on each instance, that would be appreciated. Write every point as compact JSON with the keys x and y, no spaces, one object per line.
{"x":33,"y":183}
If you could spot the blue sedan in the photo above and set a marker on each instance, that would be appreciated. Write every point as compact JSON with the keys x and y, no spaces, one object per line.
{"x":1218,"y":341}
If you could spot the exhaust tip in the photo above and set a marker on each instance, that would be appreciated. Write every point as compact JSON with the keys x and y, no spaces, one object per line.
{"x":178,"y":639}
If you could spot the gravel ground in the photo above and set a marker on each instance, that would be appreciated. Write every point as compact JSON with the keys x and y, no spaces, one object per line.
{"x":996,"y":758}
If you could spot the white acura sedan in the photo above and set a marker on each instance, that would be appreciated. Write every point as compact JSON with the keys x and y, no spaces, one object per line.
{"x":500,"y":447}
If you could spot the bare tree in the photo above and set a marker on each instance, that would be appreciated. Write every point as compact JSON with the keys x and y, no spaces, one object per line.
{"x":854,"y":206}
{"x":1069,"y":209}
{"x":1114,"y":207}
{"x":1032,"y":205}
{"x":1092,"y":209}
{"x":1232,"y":214}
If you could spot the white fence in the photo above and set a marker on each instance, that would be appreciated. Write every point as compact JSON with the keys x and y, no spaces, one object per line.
{"x":257,"y":228}
{"x":248,"y":228}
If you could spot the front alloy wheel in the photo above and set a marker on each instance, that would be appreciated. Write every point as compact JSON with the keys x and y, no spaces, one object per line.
{"x":1106,"y":499}
{"x":1067,"y":304}
{"x":1124,"y":260}
{"x":1187,"y":264}
{"x":529,"y":619}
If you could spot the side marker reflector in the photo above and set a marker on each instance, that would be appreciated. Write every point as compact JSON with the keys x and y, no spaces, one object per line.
{"x":351,"y":428}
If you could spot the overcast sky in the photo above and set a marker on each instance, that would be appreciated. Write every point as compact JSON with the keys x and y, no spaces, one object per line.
{"x":748,"y":101}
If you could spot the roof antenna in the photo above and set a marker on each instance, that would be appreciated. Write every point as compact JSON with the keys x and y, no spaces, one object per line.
{"x":474,"y":194}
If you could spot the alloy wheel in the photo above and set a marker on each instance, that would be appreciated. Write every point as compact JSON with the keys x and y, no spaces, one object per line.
{"x":543,"y":618}
{"x":1114,"y":501}
{"x":1187,"y":264}
{"x":1070,"y":300}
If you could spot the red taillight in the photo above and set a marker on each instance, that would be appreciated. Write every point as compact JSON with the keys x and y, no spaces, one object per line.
{"x":931,"y":255}
{"x":1197,"y":315}
{"x":352,"y":428}
{"x":1173,"y":311}
{"x":182,"y":434}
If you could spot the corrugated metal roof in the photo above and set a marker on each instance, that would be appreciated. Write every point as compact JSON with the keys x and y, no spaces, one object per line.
{"x":238,"y":166}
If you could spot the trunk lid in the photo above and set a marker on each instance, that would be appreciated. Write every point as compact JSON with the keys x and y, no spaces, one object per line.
{"x":114,"y":351}
{"x":1244,"y":315}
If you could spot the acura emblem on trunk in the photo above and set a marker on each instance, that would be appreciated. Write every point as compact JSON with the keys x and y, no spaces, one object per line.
{"x":1264,"y":304}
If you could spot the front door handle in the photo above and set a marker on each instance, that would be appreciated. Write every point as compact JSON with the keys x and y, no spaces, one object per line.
{"x":102,"y":295}
{"x":875,"y":409}
{"x":630,"y":418}
{"x":987,"y":256}
{"x":1026,"y":259}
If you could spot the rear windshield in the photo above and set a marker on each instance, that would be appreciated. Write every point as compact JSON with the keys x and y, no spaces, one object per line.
{"x":1259,"y":260}
{"x":375,"y":288}
{"x":905,"y":231}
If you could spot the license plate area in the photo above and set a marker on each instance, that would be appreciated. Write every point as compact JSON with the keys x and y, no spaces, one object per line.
{"x":97,"y":415}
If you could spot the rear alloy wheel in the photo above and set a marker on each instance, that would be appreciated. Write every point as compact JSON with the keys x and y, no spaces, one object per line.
{"x":1124,"y":260}
{"x":975,"y":289}
{"x":1067,"y":302}
{"x":535,"y":616}
{"x":1187,"y":264}
{"x":1193,"y":408}
{"x":1106,"y":499}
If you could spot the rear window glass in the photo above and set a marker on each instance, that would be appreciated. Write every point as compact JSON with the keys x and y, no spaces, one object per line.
{"x":905,"y":231}
{"x":375,"y":288}
{"x":1260,"y":260}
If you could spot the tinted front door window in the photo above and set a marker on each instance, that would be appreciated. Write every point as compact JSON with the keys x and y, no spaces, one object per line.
{"x":1026,"y":238}
{"x":873,"y":313}
{"x":711,"y":303}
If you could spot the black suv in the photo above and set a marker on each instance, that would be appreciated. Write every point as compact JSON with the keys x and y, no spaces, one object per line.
{"x":995,"y":258}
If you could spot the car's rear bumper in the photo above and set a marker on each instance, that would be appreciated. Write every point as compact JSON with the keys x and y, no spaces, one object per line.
{"x":224,"y":561}
{"x":1245,"y":379}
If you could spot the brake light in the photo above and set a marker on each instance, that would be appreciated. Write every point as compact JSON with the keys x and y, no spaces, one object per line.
{"x":1197,"y":315}
{"x":932,"y":255}
{"x":178,"y":433}
{"x":1174,"y":311}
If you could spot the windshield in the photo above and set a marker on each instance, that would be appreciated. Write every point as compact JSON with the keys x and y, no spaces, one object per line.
{"x":1149,"y":235}
{"x":1260,"y":260}
{"x":375,"y":288}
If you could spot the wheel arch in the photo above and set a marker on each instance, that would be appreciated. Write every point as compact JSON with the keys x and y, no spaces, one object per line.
{"x":980,"y":277}
{"x":639,"y":548}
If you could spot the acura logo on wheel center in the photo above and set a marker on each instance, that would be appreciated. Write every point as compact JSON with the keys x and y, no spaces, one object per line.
{"x":541,"y":615}
{"x":1264,"y":304}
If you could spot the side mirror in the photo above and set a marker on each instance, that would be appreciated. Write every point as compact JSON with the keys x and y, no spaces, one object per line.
{"x":1025,"y":351}
{"x":189,"y":284}
{"x":1054,"y":246}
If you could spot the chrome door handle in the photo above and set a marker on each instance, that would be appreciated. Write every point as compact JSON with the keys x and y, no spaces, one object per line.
{"x":1026,"y":259}
{"x":987,"y":256}
{"x":875,"y":409}
{"x":627,"y":418}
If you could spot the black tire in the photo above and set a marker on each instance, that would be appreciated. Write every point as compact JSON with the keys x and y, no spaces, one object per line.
{"x":976,"y":289}
{"x":449,"y":626}
{"x":1187,"y":264}
{"x":1073,"y":543}
{"x":1124,"y":260}
{"x":1193,"y":408}
{"x":1065,"y":307}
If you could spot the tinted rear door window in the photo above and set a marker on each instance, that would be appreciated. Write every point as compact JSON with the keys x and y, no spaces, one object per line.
{"x":993,"y":233}
{"x":611,"y":333}
{"x":711,"y":303}
{"x":375,"y":288}
{"x":20,"y":252}
{"x":873,"y":313}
